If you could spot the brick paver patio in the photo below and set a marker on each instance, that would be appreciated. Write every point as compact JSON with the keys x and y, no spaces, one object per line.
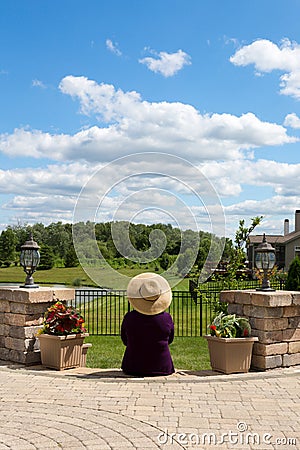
{"x":103,"y":409}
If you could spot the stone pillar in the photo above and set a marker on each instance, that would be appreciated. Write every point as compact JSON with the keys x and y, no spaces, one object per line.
{"x":21,"y":316}
{"x":275,"y":320}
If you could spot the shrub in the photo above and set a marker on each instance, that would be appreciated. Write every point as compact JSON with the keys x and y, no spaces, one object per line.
{"x":77,"y":282}
{"x":293,"y":277}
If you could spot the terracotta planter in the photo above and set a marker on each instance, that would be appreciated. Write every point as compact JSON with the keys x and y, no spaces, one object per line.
{"x":61,"y":352}
{"x":230,"y":355}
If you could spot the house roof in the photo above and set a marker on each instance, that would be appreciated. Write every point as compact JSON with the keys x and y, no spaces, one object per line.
{"x":274,"y":238}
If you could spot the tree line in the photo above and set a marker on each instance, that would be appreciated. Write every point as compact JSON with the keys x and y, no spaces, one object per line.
{"x":57,"y":248}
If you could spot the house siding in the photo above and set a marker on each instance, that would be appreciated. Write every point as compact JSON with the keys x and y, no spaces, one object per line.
{"x":290,"y":251}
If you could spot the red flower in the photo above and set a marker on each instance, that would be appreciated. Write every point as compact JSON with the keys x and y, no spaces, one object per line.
{"x":59,"y":329}
{"x":213,"y":327}
{"x":62,"y":320}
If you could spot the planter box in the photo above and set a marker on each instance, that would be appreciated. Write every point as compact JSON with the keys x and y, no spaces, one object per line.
{"x":230,"y":355}
{"x":61,"y":352}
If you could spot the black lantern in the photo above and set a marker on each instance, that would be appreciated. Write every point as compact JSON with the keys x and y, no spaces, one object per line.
{"x":29,"y":259}
{"x":265,"y":260}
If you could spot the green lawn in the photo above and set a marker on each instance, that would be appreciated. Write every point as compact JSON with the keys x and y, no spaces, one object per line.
{"x":67,"y":275}
{"x":57,"y":275}
{"x":188,"y":353}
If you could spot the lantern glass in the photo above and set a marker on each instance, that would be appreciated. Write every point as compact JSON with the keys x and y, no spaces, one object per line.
{"x":29,"y":258}
{"x":272,"y":260}
{"x":258,"y":262}
{"x":265,"y":260}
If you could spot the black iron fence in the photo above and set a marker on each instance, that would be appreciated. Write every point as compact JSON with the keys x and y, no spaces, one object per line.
{"x":192,"y":311}
{"x":103,"y":310}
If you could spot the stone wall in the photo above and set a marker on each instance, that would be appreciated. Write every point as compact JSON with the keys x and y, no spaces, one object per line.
{"x":275,"y":320}
{"x":21,"y":316}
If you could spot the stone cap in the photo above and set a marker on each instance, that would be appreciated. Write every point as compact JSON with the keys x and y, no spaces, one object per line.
{"x":261,"y":298}
{"x":36,"y":295}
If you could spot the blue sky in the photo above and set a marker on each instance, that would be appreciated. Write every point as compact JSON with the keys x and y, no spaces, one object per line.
{"x":84,"y":85}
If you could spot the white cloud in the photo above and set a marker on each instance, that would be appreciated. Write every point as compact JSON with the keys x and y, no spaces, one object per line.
{"x":55,"y":204}
{"x":273,"y":209}
{"x":151,"y":198}
{"x":167,"y":64}
{"x":43,"y":194}
{"x":292,"y":120}
{"x":218,"y":143}
{"x":135,"y":125}
{"x":47,"y":208}
{"x":267,"y":56}
{"x":200,"y":138}
{"x":38,"y":83}
{"x":102,"y":99}
{"x":113,"y":47}
{"x":231,"y":40}
{"x":267,"y":207}
{"x":55,"y":179}
{"x":229,"y":177}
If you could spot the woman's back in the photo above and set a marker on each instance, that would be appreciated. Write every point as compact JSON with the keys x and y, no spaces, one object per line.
{"x":147,"y":339}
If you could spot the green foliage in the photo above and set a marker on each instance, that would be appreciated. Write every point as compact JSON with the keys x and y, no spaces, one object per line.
{"x":244,"y":327}
{"x":71,"y":259}
{"x":185,"y":262}
{"x":8,"y":242}
{"x":77,"y":282}
{"x":58,"y":237}
{"x":165,"y":261}
{"x":230,"y":326}
{"x":242,"y":234}
{"x":293,"y":277}
{"x":47,"y":258}
{"x":7,"y":263}
{"x":220,"y":307}
{"x":162,"y":244}
{"x":238,"y":255}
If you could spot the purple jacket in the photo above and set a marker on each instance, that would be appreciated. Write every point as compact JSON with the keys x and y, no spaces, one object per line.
{"x":147,"y":340}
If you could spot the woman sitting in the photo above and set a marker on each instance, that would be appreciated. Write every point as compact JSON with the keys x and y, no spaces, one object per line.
{"x":148,"y":330}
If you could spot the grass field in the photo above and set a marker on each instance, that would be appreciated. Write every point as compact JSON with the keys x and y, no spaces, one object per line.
{"x":57,"y":275}
{"x":67,"y":276}
{"x":188,"y":353}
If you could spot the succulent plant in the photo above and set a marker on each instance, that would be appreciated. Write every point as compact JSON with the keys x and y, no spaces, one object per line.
{"x":230,"y":326}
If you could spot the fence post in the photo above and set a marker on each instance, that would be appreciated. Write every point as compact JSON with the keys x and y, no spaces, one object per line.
{"x":201,"y":313}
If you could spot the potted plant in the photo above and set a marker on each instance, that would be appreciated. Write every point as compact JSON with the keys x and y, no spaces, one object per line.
{"x":61,"y":337}
{"x":230,"y":343}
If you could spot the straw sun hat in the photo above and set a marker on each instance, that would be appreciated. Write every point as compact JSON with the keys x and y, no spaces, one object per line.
{"x":149,"y":293}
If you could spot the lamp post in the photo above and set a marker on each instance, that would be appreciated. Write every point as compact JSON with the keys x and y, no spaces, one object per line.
{"x":29,"y":259}
{"x":265,"y":260}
